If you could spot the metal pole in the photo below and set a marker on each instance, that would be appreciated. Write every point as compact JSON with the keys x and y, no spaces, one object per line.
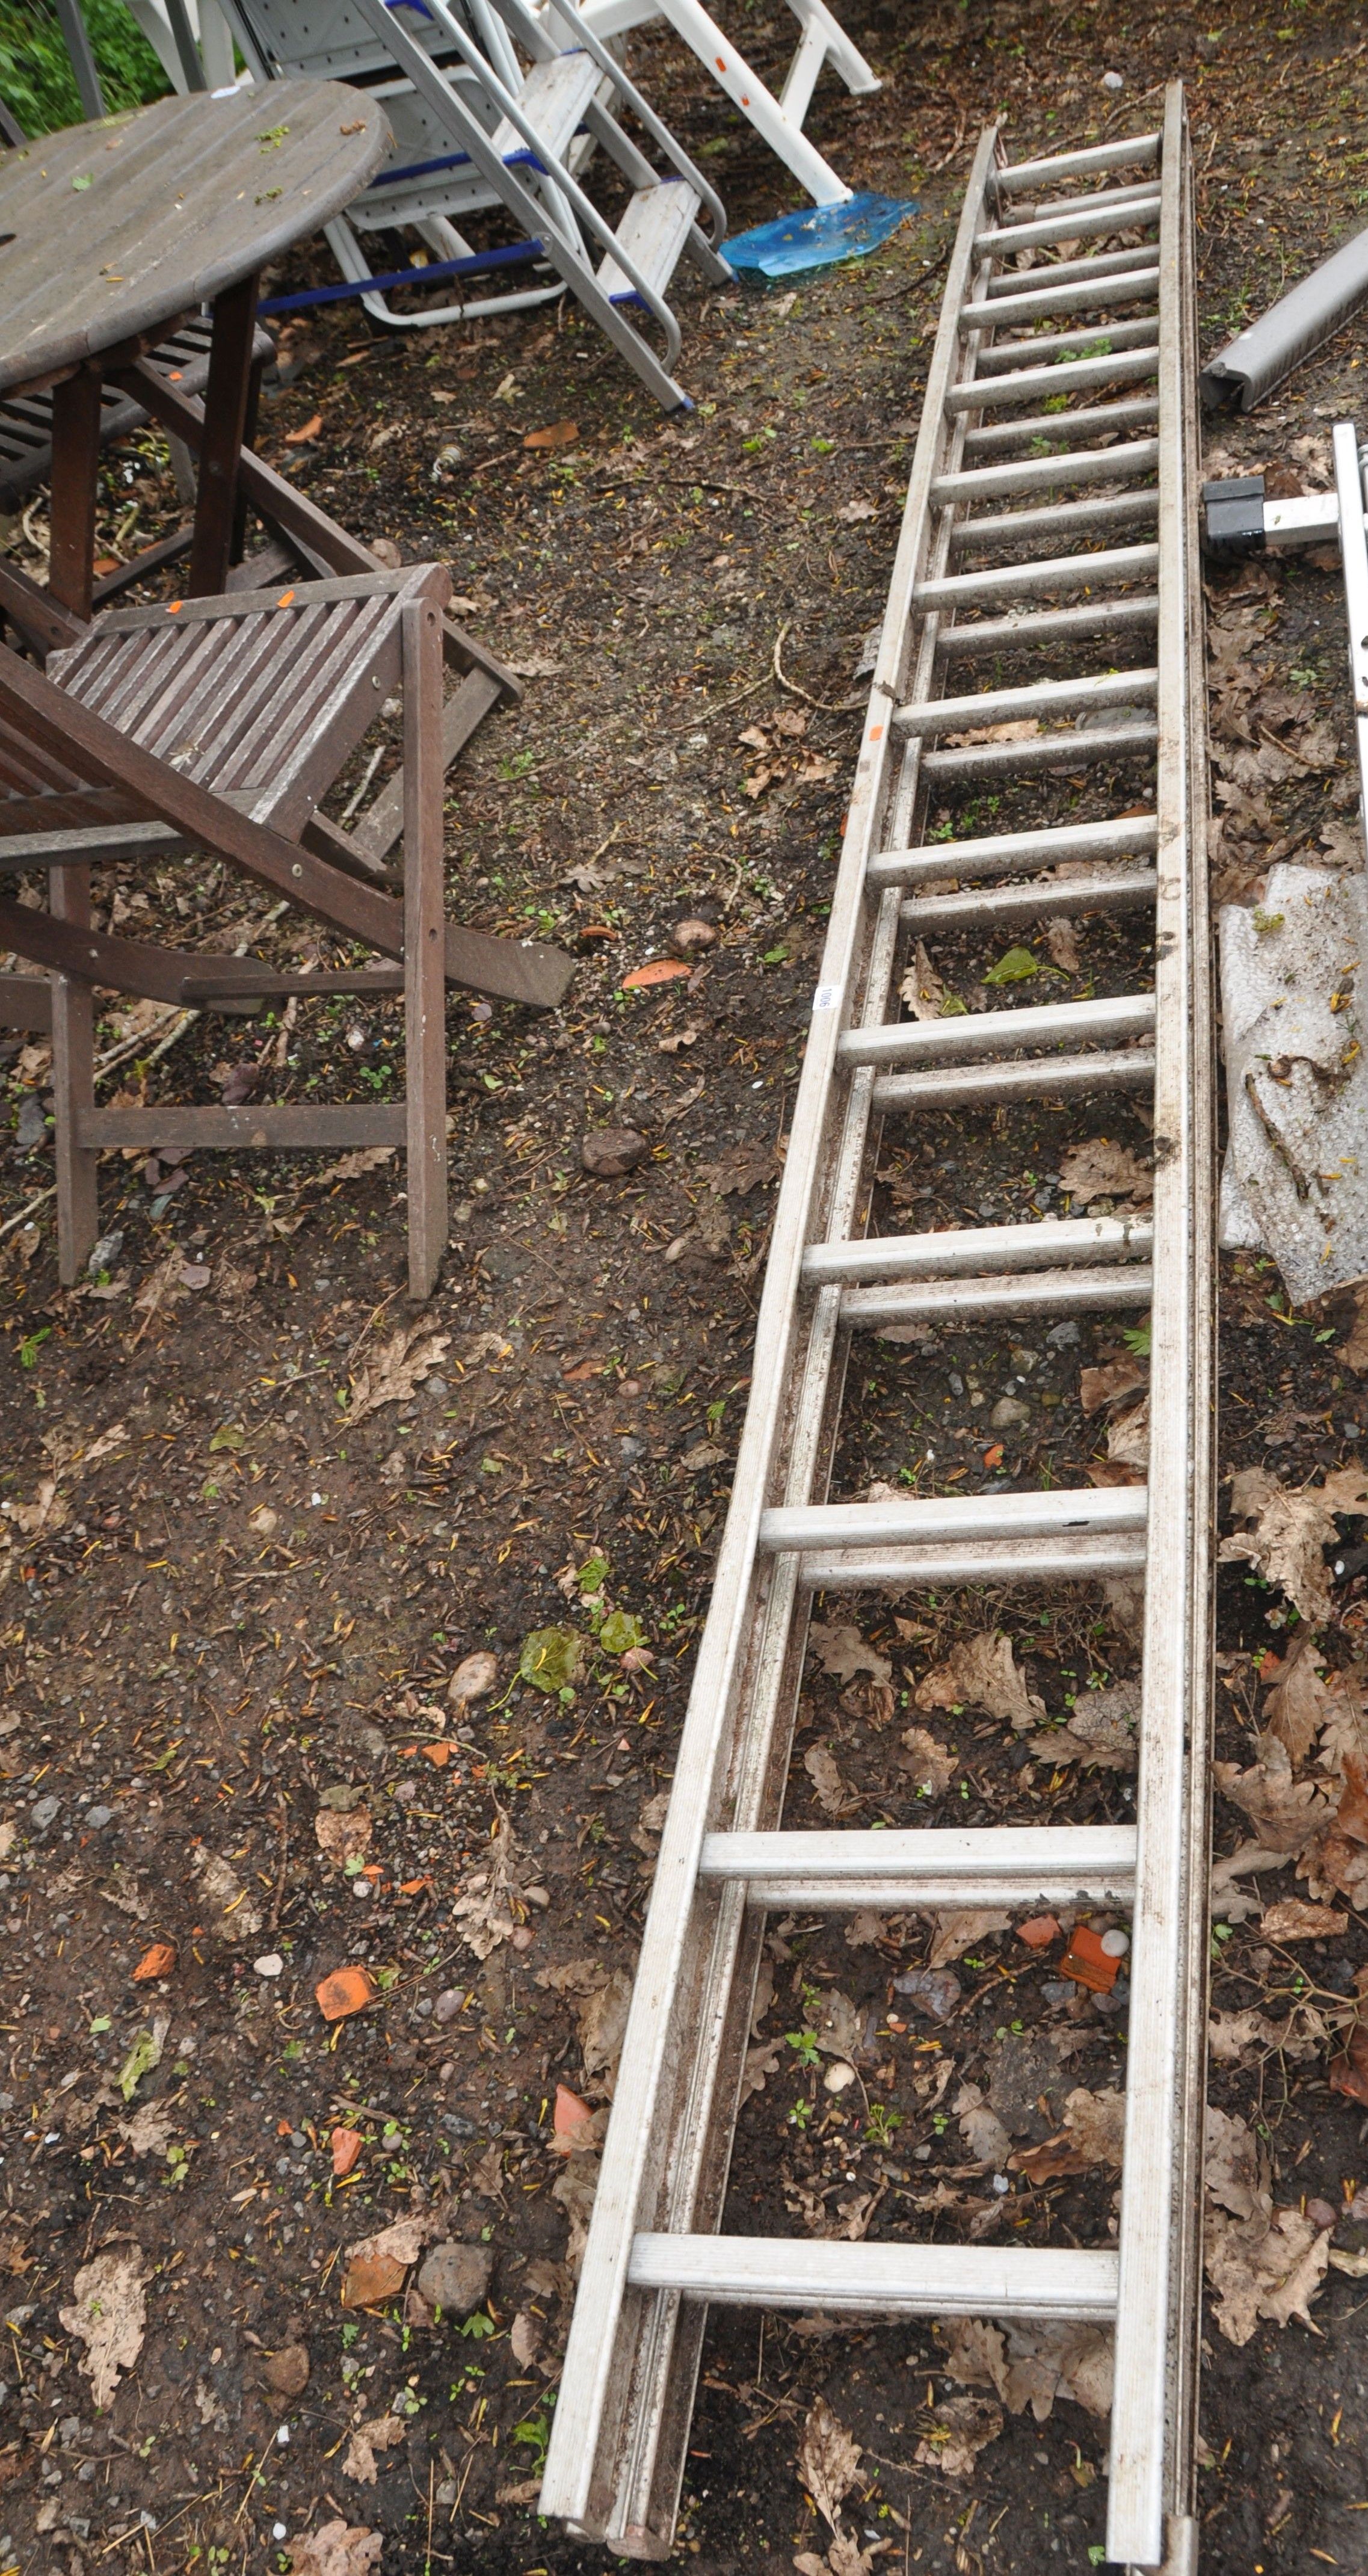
{"x":77,"y":43}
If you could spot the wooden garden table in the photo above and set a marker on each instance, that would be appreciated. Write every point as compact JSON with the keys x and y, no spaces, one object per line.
{"x":110,"y":232}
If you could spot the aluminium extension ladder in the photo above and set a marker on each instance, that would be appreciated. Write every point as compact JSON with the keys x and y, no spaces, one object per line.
{"x":654,"y":2258}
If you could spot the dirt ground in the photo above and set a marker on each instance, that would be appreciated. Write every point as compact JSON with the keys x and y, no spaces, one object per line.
{"x":259,"y":1516}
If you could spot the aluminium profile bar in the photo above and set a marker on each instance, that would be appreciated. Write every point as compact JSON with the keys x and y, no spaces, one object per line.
{"x":1249,"y":366}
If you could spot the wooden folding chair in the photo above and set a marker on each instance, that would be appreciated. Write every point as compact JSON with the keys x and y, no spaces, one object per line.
{"x":218,"y":725}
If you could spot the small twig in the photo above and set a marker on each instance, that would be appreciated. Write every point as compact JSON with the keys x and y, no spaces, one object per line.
{"x":25,"y":1212}
{"x":705,"y":714}
{"x":827,"y":706}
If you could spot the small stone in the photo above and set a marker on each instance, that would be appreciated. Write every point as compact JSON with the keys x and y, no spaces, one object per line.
{"x":1113,"y":80}
{"x":270,"y":1965}
{"x":44,"y":1813}
{"x":287,"y":2371}
{"x":386,"y":552}
{"x":934,"y":1991}
{"x":691,"y":937}
{"x":1008,"y":1412}
{"x":610,"y":1153}
{"x":344,"y":1795}
{"x":105,"y":1254}
{"x":96,"y":1818}
{"x":1116,"y":1943}
{"x":838,"y":2076}
{"x":32,"y":1125}
{"x":455,"y":2278}
{"x":1322,"y":2215}
{"x":1063,"y":1337}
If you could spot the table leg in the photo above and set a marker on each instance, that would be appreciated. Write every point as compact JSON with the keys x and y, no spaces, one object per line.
{"x":424,"y":948}
{"x":75,"y":478}
{"x":73,"y":1088}
{"x":249,"y":431}
{"x":225,"y":418}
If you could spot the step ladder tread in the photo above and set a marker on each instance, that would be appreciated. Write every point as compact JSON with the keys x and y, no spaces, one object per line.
{"x":1121,"y":890}
{"x":653,"y":232}
{"x":1121,"y":837}
{"x":554,"y":98}
{"x":919,"y":1519}
{"x":1043,"y":697}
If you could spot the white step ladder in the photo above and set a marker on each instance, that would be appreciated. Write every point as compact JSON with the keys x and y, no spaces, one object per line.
{"x":478,"y":130}
{"x":1044,"y":598}
{"x":779,"y":121}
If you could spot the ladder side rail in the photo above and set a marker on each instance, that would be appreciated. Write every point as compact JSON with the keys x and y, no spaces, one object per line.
{"x":1141,"y":2464}
{"x":594,"y":2359}
{"x":523,"y":21}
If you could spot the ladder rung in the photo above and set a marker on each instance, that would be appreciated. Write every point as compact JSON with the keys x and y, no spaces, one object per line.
{"x":1012,"y":853}
{"x":1095,"y":512}
{"x":1006,"y":239}
{"x":1048,"y":626}
{"x":934,"y":1865}
{"x":999,"y":1033}
{"x":1060,"y":427}
{"x":1050,"y":473}
{"x":1039,"y":751}
{"x":1047,"y":1077}
{"x":884,"y":2279}
{"x":1095,"y":265}
{"x":1138,"y":149}
{"x":1042,"y":1292}
{"x":1100,"y":201}
{"x":1047,"y":346}
{"x":935,"y":1569}
{"x":1052,"y":572}
{"x":1073,"y":376}
{"x":934,"y":1519}
{"x":1129,"y":288}
{"x":1038,"y":697}
{"x":1123,"y":891}
{"x":975,"y":1249}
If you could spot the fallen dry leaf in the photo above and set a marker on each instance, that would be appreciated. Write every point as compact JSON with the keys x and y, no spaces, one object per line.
{"x":382,"y":2433}
{"x":842,"y":1651}
{"x":929,"y":1765}
{"x":981,"y":1673}
{"x":231,"y":1914}
{"x":306,"y":432}
{"x":829,"y":1788}
{"x":558,"y":433}
{"x":1032,"y":2365}
{"x":1107,"y":1385}
{"x":828,"y":2462}
{"x":1349,"y":2071}
{"x":344,"y":1835}
{"x":1292,"y":1526}
{"x":1061,"y":939}
{"x":406,"y":1359}
{"x":1284,"y":1812}
{"x":1299,"y":1702}
{"x":603,"y":1997}
{"x":1291,"y":1920}
{"x":490,"y":1908}
{"x":922,"y":988}
{"x":1100,"y":1730}
{"x":956,"y":2431}
{"x":376,"y":2265}
{"x":1101,"y":1170}
{"x":109,"y":2316}
{"x":524,"y":2337}
{"x":1270,"y":2265}
{"x":1234,"y":2173}
{"x":980,"y":2127}
{"x":1094,"y":2126}
{"x":336,"y":2549}
{"x":959,"y":1927}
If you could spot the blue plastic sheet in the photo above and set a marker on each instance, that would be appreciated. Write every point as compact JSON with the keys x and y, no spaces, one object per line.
{"x":819,"y":235}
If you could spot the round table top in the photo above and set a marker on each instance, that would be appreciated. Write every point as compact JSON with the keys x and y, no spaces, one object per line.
{"x":115,"y":228}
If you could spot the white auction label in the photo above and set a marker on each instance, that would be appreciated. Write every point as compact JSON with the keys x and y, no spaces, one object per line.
{"x":826,"y":997}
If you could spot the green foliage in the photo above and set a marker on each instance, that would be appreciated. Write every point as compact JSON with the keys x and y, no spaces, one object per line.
{"x":1014,"y":968}
{"x":36,"y":79}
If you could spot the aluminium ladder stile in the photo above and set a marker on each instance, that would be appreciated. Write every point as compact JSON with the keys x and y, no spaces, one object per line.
{"x":1052,"y":589}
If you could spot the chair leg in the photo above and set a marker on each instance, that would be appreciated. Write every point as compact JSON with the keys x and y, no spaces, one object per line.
{"x":424,"y":947}
{"x":73,"y":1088}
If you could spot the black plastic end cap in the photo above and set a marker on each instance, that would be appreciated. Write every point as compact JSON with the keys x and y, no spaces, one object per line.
{"x":1233,"y":516}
